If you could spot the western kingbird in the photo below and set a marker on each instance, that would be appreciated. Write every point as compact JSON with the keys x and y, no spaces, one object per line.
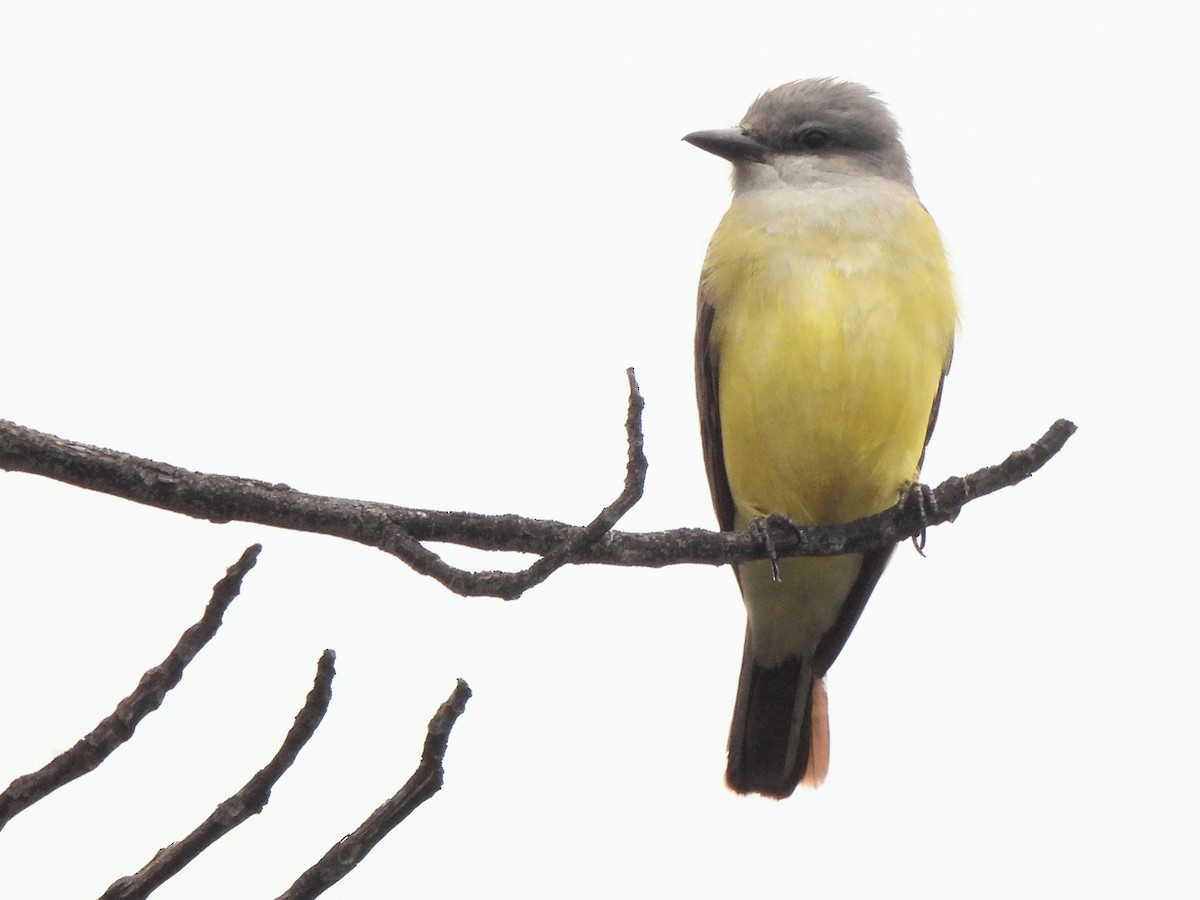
{"x":825,"y":326}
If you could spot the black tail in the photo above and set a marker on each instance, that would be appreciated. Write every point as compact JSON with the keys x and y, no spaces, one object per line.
{"x":780,"y":732}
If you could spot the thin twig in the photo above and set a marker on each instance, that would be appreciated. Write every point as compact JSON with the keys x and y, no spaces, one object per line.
{"x":906,"y":520}
{"x":424,"y":783}
{"x":117,"y":728}
{"x":402,"y":531}
{"x":511,"y":585}
{"x":247,"y":802}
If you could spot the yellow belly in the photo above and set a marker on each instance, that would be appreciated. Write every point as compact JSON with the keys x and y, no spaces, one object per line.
{"x":831,"y":330}
{"x":833,"y":322}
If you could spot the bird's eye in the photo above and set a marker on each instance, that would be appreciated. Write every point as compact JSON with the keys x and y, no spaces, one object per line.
{"x":814,"y":138}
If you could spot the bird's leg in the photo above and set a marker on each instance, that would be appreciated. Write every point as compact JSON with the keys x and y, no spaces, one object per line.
{"x":920,"y":495}
{"x":760,"y":527}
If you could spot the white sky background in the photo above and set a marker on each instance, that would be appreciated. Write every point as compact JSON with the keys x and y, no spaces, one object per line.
{"x":404,"y":252}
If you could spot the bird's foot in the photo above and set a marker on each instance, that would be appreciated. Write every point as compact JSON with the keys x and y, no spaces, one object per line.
{"x":921,"y":496}
{"x":760,"y":527}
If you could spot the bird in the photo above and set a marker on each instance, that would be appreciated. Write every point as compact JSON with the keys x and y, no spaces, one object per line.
{"x":825,"y":327}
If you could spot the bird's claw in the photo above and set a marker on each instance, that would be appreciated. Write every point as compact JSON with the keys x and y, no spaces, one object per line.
{"x":921,"y":496}
{"x":760,"y":527}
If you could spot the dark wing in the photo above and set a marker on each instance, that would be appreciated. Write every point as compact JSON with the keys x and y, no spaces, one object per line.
{"x":710,"y":413}
{"x":873,"y":565}
{"x":835,"y":638}
{"x":937,"y":402}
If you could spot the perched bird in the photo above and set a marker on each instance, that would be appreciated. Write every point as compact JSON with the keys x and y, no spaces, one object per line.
{"x":825,"y":325}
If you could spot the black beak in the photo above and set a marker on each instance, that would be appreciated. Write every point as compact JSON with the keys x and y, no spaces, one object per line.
{"x":732,"y":144}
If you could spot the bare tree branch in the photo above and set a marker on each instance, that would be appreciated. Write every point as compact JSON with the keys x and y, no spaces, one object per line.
{"x":402,"y":531}
{"x":424,"y":783}
{"x":117,"y":728}
{"x":247,"y":802}
{"x":510,"y":585}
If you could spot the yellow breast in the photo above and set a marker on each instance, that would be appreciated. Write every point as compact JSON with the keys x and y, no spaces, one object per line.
{"x":833,"y":321}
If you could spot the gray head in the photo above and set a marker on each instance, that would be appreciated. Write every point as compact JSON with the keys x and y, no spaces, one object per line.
{"x":809,"y":130}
